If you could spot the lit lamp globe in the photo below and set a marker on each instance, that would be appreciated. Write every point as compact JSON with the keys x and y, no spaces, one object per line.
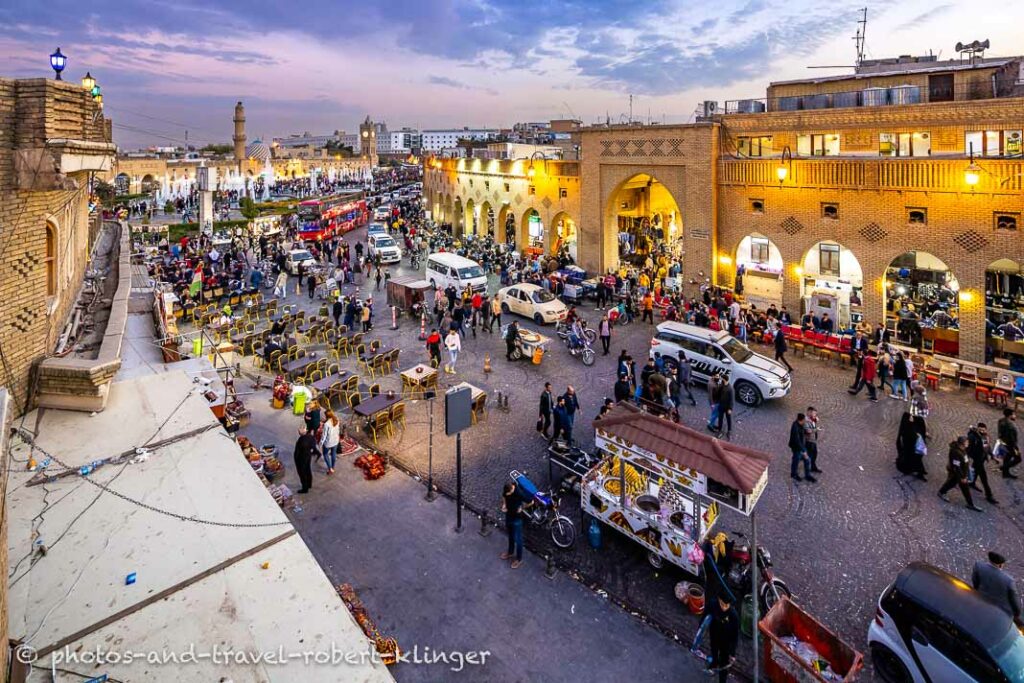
{"x":530,"y":172}
{"x":89,"y":82}
{"x":57,"y":62}
{"x":781,"y":172}
{"x":972,"y":174}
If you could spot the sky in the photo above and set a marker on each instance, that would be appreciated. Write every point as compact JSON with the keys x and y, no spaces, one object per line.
{"x":171,"y":66}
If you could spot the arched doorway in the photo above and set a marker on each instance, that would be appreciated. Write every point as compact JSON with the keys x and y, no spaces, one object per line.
{"x":446,"y":209}
{"x":457,"y":218}
{"x":506,"y":226}
{"x":759,"y":268}
{"x":831,"y":281}
{"x":121,"y":183}
{"x":922,"y":302}
{"x":531,"y":233}
{"x":1004,"y":313}
{"x":487,"y":219}
{"x":564,"y":237}
{"x":149,"y":184}
{"x":471,"y":217}
{"x":647,"y":220}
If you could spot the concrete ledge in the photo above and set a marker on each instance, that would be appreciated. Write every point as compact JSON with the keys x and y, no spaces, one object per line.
{"x":83,"y":384}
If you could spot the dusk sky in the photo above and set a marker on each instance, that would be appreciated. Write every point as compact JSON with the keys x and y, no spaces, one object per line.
{"x":321,"y":65}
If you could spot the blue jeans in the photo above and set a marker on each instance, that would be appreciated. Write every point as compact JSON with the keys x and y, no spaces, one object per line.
{"x":899,"y":388}
{"x":330,"y":456}
{"x":515,"y":537}
{"x":799,"y":457}
{"x":713,"y":419}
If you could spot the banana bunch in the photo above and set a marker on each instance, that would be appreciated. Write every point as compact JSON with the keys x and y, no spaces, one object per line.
{"x":635,"y":482}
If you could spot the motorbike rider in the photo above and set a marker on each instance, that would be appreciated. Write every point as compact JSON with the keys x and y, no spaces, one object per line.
{"x":576,"y":334}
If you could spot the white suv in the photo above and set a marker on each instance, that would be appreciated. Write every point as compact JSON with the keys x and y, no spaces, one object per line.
{"x":754,"y":377}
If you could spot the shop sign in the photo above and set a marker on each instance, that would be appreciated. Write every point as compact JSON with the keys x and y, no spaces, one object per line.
{"x":700,"y":233}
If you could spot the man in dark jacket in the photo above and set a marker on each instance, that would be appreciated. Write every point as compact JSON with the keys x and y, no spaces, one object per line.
{"x":1008,"y":435}
{"x":798,"y":446}
{"x":305,"y":449}
{"x":572,"y":404}
{"x":622,"y":389}
{"x":989,"y":579}
{"x":726,"y":401}
{"x":780,"y":350}
{"x":977,"y":451}
{"x":337,"y":309}
{"x":723,"y":632}
{"x":958,"y":472}
{"x":511,"y":337}
{"x":684,"y":378}
{"x":547,"y":404}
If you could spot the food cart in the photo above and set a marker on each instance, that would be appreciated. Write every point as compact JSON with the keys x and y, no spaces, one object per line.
{"x":530,"y":344}
{"x":662,"y":484}
{"x":406,"y":292}
{"x":269,"y":226}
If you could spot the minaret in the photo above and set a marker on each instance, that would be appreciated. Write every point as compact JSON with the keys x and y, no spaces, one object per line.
{"x":239,"y":137}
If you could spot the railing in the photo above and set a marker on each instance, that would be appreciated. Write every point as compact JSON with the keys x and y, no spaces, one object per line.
{"x":876,"y":97}
{"x":1000,"y":176}
{"x":509,"y":167}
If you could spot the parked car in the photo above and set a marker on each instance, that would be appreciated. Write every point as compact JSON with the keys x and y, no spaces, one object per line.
{"x":382,"y":213}
{"x":930,"y":626}
{"x":295,"y":257}
{"x":532,"y":301}
{"x":445,"y":269}
{"x":386,"y":247}
{"x":376,"y":229}
{"x":754,"y":377}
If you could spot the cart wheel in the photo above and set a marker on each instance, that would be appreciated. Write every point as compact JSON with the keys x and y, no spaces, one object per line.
{"x":655,"y":560}
{"x":588,"y":357}
{"x":517,"y":353}
{"x":563,"y":533}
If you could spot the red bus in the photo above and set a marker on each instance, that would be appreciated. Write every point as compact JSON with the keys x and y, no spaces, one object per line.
{"x":321,"y":218}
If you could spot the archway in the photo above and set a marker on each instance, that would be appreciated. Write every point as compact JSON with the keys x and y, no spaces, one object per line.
{"x":564,"y":235}
{"x":506,"y":226}
{"x":759,"y":268}
{"x":487,"y":219}
{"x":1004,"y":313}
{"x":121,"y":183}
{"x":831,"y":281}
{"x":471,"y":218}
{"x":922,"y":302}
{"x":149,"y":184}
{"x":647,"y":219}
{"x":531,"y":233}
{"x":446,"y":209}
{"x":458,"y":218}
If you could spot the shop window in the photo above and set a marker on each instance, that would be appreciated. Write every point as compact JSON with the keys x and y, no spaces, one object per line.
{"x":917,"y":216}
{"x":756,"y":206}
{"x":1007,"y":221}
{"x":563,"y":192}
{"x":818,"y":145}
{"x":507,"y":187}
{"x":905,"y":144}
{"x":759,"y":249}
{"x":51,"y":260}
{"x":828,"y":259}
{"x":756,"y":146}
{"x":830,"y":211}
{"x":993,"y":143}
{"x":533,"y":189}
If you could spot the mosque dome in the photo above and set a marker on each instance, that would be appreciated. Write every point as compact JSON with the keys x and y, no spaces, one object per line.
{"x":257,"y":151}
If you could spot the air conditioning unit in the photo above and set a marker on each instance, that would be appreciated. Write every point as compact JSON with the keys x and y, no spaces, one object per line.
{"x":709,"y":107}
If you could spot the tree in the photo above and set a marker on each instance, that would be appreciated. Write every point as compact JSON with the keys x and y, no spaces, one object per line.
{"x":248,"y":208}
{"x":105,"y":191}
{"x":217,"y":149}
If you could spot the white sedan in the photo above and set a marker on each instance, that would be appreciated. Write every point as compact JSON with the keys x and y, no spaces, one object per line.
{"x":533,"y":302}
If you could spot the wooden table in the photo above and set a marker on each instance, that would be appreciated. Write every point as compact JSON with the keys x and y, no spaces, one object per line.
{"x":298,"y":366}
{"x":377,"y":404}
{"x":419,"y":375}
{"x":474,"y":393}
{"x":373,"y":354}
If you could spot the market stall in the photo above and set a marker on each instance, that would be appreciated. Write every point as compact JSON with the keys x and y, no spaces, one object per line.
{"x":662,"y":484}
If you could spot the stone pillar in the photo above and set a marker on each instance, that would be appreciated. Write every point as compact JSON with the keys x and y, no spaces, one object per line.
{"x":972,"y":313}
{"x":206,"y":210}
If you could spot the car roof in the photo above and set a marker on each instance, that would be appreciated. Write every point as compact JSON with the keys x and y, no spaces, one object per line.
{"x":450,"y":259}
{"x":954,"y":600}
{"x":525,"y":286}
{"x":293,"y":252}
{"x":694,"y":331}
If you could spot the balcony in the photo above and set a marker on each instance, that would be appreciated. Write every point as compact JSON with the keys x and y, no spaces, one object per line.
{"x":509,"y":167}
{"x":875,"y":97}
{"x":998,"y":176}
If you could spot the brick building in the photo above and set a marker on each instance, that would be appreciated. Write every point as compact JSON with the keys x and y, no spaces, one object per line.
{"x":899,"y":183}
{"x":53,"y":138}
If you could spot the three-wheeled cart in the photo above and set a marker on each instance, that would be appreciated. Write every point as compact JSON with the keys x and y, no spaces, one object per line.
{"x":661,"y":483}
{"x":530,"y":344}
{"x":406,"y":292}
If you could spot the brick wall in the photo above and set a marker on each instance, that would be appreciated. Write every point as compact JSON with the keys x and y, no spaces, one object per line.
{"x":6,"y":414}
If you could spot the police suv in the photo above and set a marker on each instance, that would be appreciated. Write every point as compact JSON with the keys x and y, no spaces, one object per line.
{"x":754,"y":377}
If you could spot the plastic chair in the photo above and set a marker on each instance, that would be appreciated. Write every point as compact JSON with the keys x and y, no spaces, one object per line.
{"x":478,"y":408}
{"x":381,"y":423}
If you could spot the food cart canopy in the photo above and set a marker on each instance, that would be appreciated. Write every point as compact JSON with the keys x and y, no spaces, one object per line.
{"x":736,"y":466}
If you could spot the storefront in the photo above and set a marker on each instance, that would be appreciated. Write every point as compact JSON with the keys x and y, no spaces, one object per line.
{"x":832,"y":282}
{"x":648,"y":219}
{"x":922,"y":303}
{"x":1004,"y":314}
{"x":533,"y":233}
{"x":759,"y":271}
{"x":565,"y":236}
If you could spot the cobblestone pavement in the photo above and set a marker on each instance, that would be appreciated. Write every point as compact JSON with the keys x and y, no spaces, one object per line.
{"x":836,"y":543}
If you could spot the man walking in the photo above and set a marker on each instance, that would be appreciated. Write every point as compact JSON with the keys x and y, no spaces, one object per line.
{"x":989,"y":579}
{"x":957,"y":472}
{"x":780,"y":350}
{"x":572,"y":404}
{"x":725,"y":405}
{"x":977,"y":451}
{"x":798,"y":447}
{"x":811,"y":430}
{"x":724,"y":632}
{"x":867,"y":376}
{"x":305,"y":449}
{"x":1008,"y":435}
{"x":495,"y":314}
{"x":604,"y":331}
{"x":511,"y":336}
{"x":684,"y":378}
{"x":547,"y":404}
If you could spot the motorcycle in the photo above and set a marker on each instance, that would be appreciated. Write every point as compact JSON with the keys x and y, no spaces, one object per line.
{"x":582,"y":349}
{"x":543,"y":511}
{"x":563,"y":328}
{"x":736,"y":568}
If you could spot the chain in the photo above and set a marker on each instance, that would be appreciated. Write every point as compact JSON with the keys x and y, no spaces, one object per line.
{"x":167,"y":513}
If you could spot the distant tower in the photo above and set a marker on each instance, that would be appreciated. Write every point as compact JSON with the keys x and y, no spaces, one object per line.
{"x":368,"y":141}
{"x":239,"y":137}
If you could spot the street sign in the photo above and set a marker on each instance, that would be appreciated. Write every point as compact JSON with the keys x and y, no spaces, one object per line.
{"x":458,"y":410}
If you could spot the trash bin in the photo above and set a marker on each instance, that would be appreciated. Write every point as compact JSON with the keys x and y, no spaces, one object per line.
{"x":800,"y":649}
{"x":197,"y":346}
{"x":299,"y":403}
{"x":538,"y":355}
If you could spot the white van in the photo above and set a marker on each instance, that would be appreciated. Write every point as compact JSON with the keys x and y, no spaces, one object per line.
{"x":445,"y":269}
{"x":754,"y":377}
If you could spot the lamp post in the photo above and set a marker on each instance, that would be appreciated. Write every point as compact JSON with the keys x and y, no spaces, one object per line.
{"x":972,"y":174}
{"x":88,"y":82}
{"x":57,"y":62}
{"x":782,"y":170}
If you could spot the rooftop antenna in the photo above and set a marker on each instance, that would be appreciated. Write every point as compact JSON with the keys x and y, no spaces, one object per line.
{"x":631,"y":108}
{"x":862,"y":26}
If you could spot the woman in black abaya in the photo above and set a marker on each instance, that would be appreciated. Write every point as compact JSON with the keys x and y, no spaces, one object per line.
{"x":910,"y":445}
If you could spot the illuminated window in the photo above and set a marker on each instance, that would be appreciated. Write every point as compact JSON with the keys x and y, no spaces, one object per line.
{"x":993,"y":143}
{"x":905,"y":144}
{"x":51,"y":260}
{"x":759,"y":249}
{"x":828,"y":259}
{"x":757,"y":146}
{"x":818,"y":145}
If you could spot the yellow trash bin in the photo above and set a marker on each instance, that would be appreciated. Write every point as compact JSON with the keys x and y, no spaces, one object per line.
{"x":197,"y":347}
{"x":538,"y":355}
{"x":299,"y":402}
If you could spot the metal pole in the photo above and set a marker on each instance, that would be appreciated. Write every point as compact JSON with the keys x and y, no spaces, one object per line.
{"x":757,"y":602}
{"x":430,"y":455}
{"x":458,"y":483}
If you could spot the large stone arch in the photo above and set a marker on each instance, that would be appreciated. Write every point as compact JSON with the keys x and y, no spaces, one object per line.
{"x":500,"y":232}
{"x":458,"y":217}
{"x":564,"y":230}
{"x":488,"y":219}
{"x":641,"y":181}
{"x":470,"y":221}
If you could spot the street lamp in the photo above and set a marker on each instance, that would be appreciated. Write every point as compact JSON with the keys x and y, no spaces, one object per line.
{"x":57,"y":62}
{"x":89,"y":83}
{"x":782,"y":171}
{"x":972,"y":174}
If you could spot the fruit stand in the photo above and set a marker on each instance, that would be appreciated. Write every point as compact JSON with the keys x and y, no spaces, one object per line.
{"x":661,"y":483}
